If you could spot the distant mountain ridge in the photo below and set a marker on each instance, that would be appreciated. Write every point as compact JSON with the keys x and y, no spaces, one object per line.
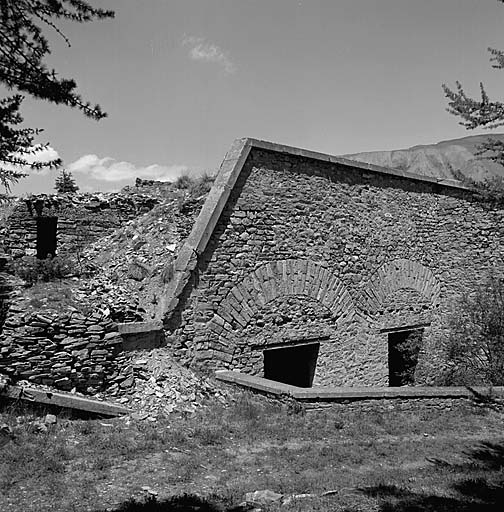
{"x":438,"y":160}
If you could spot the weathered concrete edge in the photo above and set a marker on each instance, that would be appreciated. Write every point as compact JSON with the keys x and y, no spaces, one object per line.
{"x":203,"y":228}
{"x":67,"y":401}
{"x":137,"y":327}
{"x":338,"y":394}
{"x":256,"y":383}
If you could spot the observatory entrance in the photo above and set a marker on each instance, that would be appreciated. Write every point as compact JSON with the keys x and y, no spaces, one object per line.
{"x":292,"y":364}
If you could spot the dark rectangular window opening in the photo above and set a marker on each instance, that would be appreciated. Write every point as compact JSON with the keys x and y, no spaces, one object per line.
{"x":403,"y":349}
{"x":292,"y":365}
{"x":46,"y":236}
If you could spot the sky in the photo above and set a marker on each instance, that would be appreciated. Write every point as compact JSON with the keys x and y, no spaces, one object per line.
{"x":181,"y":79}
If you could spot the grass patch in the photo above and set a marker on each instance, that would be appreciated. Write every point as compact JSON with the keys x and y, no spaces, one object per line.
{"x":57,"y":296}
{"x":373,"y":458}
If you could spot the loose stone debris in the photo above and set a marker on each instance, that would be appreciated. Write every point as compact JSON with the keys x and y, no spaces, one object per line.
{"x":158,"y":386}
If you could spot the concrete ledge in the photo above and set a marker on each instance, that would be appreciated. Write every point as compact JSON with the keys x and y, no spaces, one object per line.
{"x":339,"y":394}
{"x":66,"y":400}
{"x":142,"y":335}
{"x":256,"y":383}
{"x":138,"y":327}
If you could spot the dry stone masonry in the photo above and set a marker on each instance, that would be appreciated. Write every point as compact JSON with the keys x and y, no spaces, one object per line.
{"x":303,"y":268}
{"x":66,"y":351}
{"x":64,"y":334}
{"x":308,"y":269}
{"x":63,"y":223}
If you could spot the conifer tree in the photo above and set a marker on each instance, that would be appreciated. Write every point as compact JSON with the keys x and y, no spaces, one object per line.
{"x":65,"y":183}
{"x":483,"y":112}
{"x":16,"y":144}
{"x":23,"y":48}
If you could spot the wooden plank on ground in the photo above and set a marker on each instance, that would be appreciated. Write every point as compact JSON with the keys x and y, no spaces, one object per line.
{"x":66,"y":400}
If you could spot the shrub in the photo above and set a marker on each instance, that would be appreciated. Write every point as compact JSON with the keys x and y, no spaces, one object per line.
{"x":195,"y":186}
{"x":138,"y":270}
{"x":407,"y":351}
{"x":183,"y":182}
{"x":168,"y":270}
{"x":201,"y":185}
{"x":490,"y":190}
{"x":32,"y":269}
{"x":7,"y":207}
{"x":475,"y":347}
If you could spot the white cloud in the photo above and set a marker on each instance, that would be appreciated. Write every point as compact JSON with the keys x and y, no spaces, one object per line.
{"x":109,"y":169}
{"x":202,"y":50}
{"x":45,"y":155}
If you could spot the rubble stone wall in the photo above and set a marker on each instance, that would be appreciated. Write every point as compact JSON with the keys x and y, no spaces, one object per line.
{"x":307,"y":249}
{"x":82,"y":218}
{"x":66,"y":351}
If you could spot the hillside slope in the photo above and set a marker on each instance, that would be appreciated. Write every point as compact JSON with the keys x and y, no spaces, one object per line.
{"x":438,"y":160}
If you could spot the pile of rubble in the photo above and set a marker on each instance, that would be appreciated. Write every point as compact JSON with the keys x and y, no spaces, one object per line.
{"x":128,"y":270}
{"x":132,"y":264}
{"x":157,"y":386}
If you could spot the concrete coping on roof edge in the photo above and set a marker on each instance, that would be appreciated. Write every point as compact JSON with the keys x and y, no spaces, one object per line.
{"x":226,"y":178}
{"x":339,"y":394}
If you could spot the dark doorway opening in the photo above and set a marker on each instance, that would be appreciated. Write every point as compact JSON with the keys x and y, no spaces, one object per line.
{"x":294,"y":365}
{"x":403,"y":349}
{"x":46,"y":236}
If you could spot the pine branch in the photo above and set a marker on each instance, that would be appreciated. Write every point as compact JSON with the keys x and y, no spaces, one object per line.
{"x":475,"y":113}
{"x":16,"y":144}
{"x":491,"y":149}
{"x":497,"y":58}
{"x":23,"y":48}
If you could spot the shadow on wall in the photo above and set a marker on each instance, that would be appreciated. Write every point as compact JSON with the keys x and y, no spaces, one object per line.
{"x":475,"y":485}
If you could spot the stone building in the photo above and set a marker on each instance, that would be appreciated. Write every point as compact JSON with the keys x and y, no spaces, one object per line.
{"x":312,"y":269}
{"x":42,"y":225}
{"x":65,"y":349}
{"x":302,"y":267}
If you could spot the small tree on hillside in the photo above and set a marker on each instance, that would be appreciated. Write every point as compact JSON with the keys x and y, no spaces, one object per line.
{"x":476,"y":342}
{"x":65,"y":183}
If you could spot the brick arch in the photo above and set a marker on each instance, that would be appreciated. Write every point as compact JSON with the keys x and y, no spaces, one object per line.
{"x":396,"y":275}
{"x":278,"y":279}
